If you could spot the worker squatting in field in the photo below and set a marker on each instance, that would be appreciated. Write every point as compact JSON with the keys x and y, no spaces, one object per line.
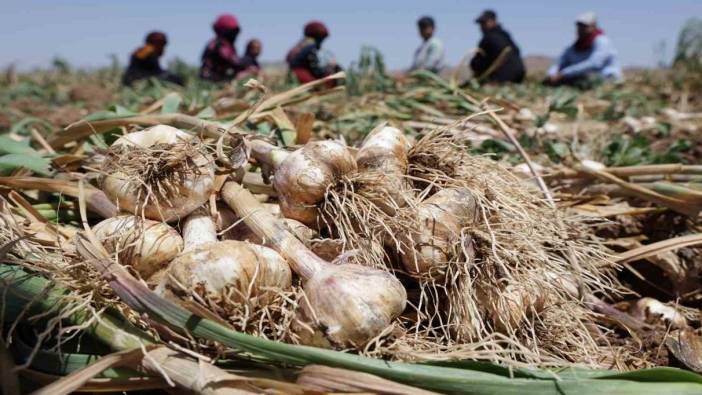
{"x":497,"y":58}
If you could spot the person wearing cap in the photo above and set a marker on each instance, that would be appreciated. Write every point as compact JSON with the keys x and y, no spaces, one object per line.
{"x":303,"y":59}
{"x":220,"y":61}
{"x":497,"y":58}
{"x":144,"y":62}
{"x":430,"y":54}
{"x":249,"y":62}
{"x":591,"y":57}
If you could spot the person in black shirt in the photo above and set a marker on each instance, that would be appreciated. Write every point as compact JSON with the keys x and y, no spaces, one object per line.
{"x":498,"y":58}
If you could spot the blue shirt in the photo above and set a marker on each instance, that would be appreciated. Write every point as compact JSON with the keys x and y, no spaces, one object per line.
{"x":600,"y":60}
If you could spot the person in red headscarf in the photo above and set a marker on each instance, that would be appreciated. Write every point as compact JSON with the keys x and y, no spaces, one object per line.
{"x":144,"y":62}
{"x":220,"y":61}
{"x":303,"y":59}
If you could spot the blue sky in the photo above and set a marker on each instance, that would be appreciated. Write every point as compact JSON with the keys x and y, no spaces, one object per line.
{"x":85,"y":32}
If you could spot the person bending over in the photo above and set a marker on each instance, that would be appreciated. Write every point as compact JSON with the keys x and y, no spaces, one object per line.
{"x":220,"y":61}
{"x":304,"y":60}
{"x":144,"y":62}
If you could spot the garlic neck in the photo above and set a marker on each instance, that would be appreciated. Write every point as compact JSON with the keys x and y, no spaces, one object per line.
{"x":272,"y":230}
{"x":266,"y":153}
{"x":198,"y":229}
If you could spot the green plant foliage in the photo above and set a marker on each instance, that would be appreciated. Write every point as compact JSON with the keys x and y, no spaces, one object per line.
{"x":636,"y":150}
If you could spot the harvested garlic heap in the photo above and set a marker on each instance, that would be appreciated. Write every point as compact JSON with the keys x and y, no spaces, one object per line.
{"x":337,"y":309}
{"x":478,"y":250}
{"x":426,"y":227}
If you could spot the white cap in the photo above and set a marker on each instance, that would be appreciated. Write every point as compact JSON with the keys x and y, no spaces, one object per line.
{"x":587,"y":18}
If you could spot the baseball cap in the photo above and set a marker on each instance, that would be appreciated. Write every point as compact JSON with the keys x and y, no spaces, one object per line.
{"x":587,"y":18}
{"x":487,"y":14}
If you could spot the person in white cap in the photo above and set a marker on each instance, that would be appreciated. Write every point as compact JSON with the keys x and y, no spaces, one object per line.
{"x":591,"y":57}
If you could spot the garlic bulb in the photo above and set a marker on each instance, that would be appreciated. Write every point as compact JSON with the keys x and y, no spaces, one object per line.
{"x":653,"y":311}
{"x":347,"y":305}
{"x":441,"y":217}
{"x":507,"y":308}
{"x":214,"y":266}
{"x":385,"y":151}
{"x":144,"y":244}
{"x":160,"y":171}
{"x":303,"y":176}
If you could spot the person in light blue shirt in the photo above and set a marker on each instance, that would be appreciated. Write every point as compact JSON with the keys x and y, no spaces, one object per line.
{"x":591,"y":57}
{"x":429,"y":55}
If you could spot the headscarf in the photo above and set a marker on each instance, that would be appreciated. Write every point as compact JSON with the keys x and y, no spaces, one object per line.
{"x":156,"y":38}
{"x":226,"y":26}
{"x":316,"y":30}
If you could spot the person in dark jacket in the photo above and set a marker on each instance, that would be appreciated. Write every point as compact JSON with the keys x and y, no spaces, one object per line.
{"x":249,"y":62}
{"x":220,"y":61}
{"x":144,"y":62}
{"x":498,"y":58}
{"x":303,"y":59}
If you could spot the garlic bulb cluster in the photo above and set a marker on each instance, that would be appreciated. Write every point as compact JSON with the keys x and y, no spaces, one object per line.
{"x":346,"y":304}
{"x":160,"y":172}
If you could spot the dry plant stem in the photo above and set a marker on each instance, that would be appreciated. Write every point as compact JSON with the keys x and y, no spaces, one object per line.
{"x":201,"y":378}
{"x":95,"y":199}
{"x":281,"y":98}
{"x":75,"y":380}
{"x":335,"y":380}
{"x":674,"y":204}
{"x":632,"y":171}
{"x":539,"y":180}
{"x":659,"y":247}
{"x":83,"y":129}
{"x":101,"y":385}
